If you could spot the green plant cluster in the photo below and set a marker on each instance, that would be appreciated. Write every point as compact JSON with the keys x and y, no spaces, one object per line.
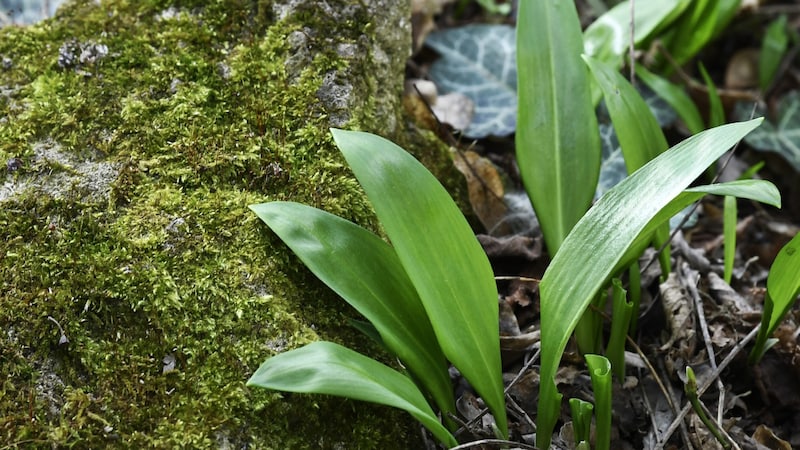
{"x":451,"y":310}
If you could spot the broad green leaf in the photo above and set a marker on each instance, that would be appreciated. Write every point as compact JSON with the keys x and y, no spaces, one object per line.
{"x":608,"y":37}
{"x":365,"y":272}
{"x":441,"y":256}
{"x":558,"y":147}
{"x":759,"y":190}
{"x":639,"y":135}
{"x":478,"y":61}
{"x":328,"y":368}
{"x":612,"y":167}
{"x":601,"y":239}
{"x":675,"y":96}
{"x":783,"y":287}
{"x":773,"y":47}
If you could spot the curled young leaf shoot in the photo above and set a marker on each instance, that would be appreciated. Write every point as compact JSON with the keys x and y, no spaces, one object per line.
{"x":600,"y":373}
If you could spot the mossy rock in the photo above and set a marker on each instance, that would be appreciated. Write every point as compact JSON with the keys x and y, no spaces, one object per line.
{"x":138,"y":291}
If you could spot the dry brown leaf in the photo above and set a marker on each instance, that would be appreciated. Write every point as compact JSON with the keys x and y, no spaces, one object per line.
{"x":508,"y":320}
{"x":724,"y":293}
{"x":742,"y":70}
{"x":517,"y":247}
{"x":520,"y":343}
{"x":681,"y":345}
{"x":678,"y":312}
{"x":485,"y":188}
{"x":766,"y":437}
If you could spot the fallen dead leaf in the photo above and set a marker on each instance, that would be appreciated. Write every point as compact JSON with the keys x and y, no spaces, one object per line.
{"x":681,"y":344}
{"x":485,"y":188}
{"x":742,"y":70}
{"x":766,"y":437}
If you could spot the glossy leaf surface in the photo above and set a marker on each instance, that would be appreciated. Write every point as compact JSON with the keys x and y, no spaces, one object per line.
{"x":759,"y":190}
{"x":558,"y":146}
{"x":366,"y":272}
{"x":328,"y":368}
{"x":638,"y":132}
{"x":585,"y":263}
{"x":441,"y":256}
{"x":607,"y":38}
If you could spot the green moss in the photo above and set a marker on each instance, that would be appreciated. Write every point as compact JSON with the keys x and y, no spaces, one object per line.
{"x":169,"y":290}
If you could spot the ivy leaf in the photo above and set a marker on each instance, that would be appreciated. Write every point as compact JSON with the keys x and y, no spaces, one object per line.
{"x":781,"y":135}
{"x":478,"y":61}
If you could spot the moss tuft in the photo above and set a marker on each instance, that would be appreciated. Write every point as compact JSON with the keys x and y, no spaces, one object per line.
{"x":168,"y":291}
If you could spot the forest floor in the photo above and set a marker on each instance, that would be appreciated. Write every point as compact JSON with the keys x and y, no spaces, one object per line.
{"x":693,"y":317}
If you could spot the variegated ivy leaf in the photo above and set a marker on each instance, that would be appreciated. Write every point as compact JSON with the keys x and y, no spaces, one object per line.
{"x":781,"y":134}
{"x":479,"y":62}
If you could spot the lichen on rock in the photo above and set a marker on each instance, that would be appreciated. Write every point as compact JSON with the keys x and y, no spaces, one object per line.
{"x":135,"y":134}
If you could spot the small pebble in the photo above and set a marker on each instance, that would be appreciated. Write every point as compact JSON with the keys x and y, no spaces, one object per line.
{"x":13,"y":164}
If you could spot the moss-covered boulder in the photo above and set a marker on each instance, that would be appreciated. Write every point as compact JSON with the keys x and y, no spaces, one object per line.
{"x":137,"y":291}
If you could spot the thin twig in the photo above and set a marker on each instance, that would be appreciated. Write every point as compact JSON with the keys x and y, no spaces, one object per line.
{"x":644,"y":359}
{"x":691,"y":286}
{"x":687,"y":439}
{"x":514,"y":278}
{"x":707,"y":383}
{"x":696,"y":85}
{"x":650,"y":413}
{"x":513,"y":406}
{"x":786,"y":64}
{"x":720,"y":428}
{"x":631,"y":50}
{"x":653,"y":372}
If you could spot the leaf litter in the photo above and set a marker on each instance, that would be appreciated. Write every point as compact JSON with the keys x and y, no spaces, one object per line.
{"x":692,"y":318}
